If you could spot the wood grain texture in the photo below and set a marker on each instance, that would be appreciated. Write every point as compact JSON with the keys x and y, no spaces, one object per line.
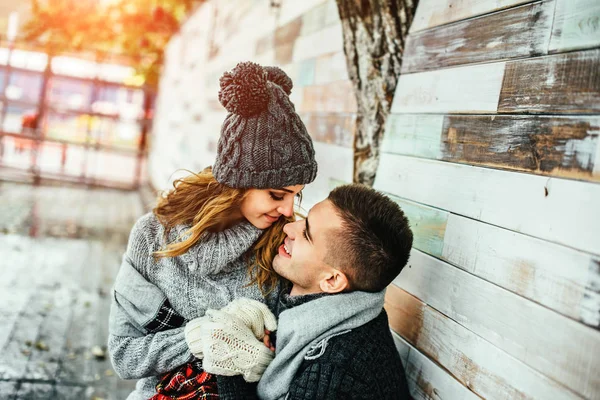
{"x":324,"y":41}
{"x":427,"y":380}
{"x":335,"y":163}
{"x":558,"y":210}
{"x":332,"y":128}
{"x":431,"y":13}
{"x":417,"y":135}
{"x":576,"y":25}
{"x":285,"y":38}
{"x":545,"y":145}
{"x":470,"y":89}
{"x":560,"y":146}
{"x":480,"y":366}
{"x":330,"y":68}
{"x":335,"y":97}
{"x":428,"y":226}
{"x":563,"y":83}
{"x":529,"y":267}
{"x":560,"y":348}
{"x":518,"y":32}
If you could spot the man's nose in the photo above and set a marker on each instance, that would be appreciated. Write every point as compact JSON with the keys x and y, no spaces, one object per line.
{"x":291,"y":228}
{"x":287,"y":208}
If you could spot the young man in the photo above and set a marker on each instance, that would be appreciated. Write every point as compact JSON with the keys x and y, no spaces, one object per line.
{"x":333,"y":339}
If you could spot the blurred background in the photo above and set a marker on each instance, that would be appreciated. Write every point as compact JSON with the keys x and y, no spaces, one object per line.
{"x":481,"y":119}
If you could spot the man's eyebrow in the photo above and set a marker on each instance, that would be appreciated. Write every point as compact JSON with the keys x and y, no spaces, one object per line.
{"x":308,"y":230}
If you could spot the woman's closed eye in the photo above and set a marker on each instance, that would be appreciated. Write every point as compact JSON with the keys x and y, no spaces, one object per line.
{"x":275,"y":197}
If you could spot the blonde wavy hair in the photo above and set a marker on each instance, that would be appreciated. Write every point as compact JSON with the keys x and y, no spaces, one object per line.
{"x":203,"y":203}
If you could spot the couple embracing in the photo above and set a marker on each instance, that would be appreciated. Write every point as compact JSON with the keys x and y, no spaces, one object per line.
{"x":223,"y":293}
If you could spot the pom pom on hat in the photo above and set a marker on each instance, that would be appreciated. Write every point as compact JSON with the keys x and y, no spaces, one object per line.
{"x":244,"y":90}
{"x":278,"y":77}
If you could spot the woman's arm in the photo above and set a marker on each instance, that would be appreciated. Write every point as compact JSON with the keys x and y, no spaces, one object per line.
{"x":146,"y":335}
{"x":136,"y":354}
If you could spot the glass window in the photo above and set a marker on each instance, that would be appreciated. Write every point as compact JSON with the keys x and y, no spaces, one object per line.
{"x":127,"y":103}
{"x":33,"y":60}
{"x":2,"y":79}
{"x":59,"y":158}
{"x":115,"y":73}
{"x":109,"y":166}
{"x":19,"y":117}
{"x":69,"y":94}
{"x":70,"y":66}
{"x":69,"y":127}
{"x":3,"y":56}
{"x":24,"y":86}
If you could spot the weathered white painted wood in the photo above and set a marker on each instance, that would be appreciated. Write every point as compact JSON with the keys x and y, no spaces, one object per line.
{"x":432,"y":13}
{"x":328,"y":40}
{"x":473,"y":361}
{"x":558,"y":210}
{"x":473,"y":89}
{"x":576,"y":25}
{"x":515,"y":33}
{"x":330,"y":68}
{"x":556,"y":346}
{"x":414,"y":134}
{"x":335,"y":162}
{"x":292,"y":9}
{"x":426,"y":380}
{"x":552,"y":145}
{"x":533,"y":268}
{"x":558,"y":277}
{"x":334,"y":97}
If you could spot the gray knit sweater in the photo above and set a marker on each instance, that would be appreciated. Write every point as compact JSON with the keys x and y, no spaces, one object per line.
{"x":209,"y":276}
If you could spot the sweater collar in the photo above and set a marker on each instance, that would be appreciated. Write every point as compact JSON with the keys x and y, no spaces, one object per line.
{"x":215,"y":251}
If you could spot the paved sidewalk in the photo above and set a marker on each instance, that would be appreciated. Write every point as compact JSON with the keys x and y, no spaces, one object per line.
{"x":60,"y":249}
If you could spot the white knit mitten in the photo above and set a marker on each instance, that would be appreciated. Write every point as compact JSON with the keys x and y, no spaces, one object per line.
{"x":231,"y":348}
{"x":193,"y":336}
{"x":254,"y":314}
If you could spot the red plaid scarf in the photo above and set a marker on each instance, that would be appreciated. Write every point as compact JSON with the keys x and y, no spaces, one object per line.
{"x":188,"y":382}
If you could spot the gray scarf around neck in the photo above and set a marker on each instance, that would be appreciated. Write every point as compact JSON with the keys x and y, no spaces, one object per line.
{"x":304,"y":332}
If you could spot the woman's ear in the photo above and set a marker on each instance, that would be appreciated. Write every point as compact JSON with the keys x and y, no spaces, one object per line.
{"x":335,"y":281}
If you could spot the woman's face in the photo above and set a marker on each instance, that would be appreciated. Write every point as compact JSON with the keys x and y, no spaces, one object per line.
{"x":263,"y":207}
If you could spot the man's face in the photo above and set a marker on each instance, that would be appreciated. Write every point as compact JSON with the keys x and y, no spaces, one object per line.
{"x":301,"y":258}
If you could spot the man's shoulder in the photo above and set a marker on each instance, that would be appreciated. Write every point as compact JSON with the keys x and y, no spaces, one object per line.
{"x":371,"y":342}
{"x":365,"y":357}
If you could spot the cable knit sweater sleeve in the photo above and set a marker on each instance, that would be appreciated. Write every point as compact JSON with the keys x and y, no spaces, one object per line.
{"x":145,"y":337}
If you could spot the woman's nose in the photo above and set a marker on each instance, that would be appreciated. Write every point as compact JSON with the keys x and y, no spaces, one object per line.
{"x":287,"y":208}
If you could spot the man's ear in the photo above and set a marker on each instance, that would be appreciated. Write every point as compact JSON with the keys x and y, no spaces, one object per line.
{"x":335,"y":281}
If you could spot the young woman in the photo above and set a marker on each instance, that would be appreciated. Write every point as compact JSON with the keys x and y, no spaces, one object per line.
{"x":213,"y":237}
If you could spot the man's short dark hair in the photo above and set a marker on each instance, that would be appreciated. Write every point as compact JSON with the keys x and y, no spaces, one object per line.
{"x":375,"y":240}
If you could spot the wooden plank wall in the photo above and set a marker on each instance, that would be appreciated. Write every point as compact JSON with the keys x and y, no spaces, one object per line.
{"x":302,"y":37}
{"x":493,"y":151}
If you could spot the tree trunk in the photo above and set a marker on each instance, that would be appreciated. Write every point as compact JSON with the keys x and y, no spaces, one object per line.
{"x":374,"y":34}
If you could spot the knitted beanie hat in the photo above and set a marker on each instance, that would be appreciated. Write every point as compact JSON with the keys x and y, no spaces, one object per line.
{"x":263,"y":142}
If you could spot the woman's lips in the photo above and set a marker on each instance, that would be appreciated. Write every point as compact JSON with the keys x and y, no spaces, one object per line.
{"x":271,"y":219}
